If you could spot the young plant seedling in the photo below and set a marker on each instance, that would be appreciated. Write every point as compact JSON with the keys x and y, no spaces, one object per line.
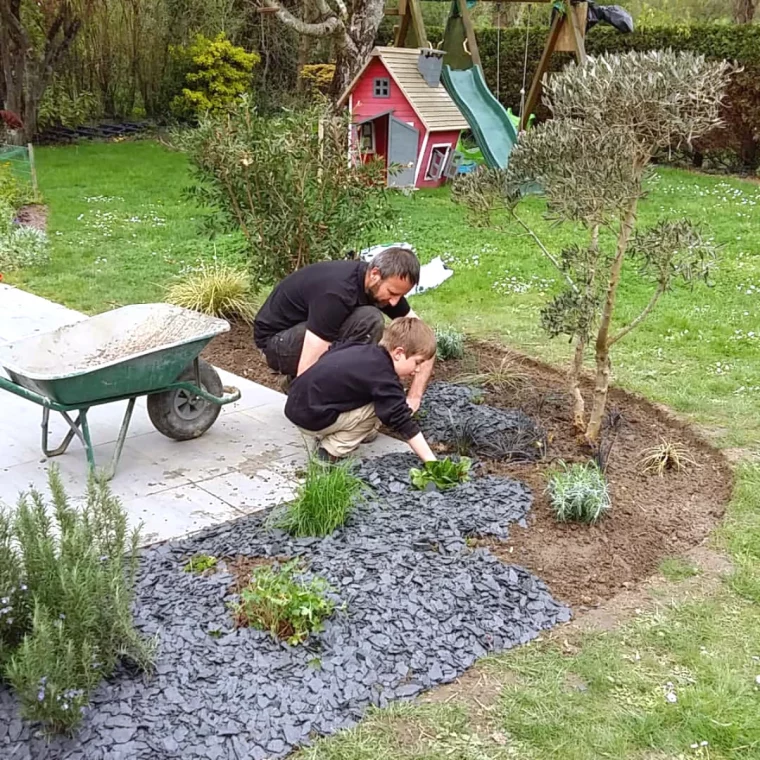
{"x":200,"y":563}
{"x":450,"y":343}
{"x":441,"y":474}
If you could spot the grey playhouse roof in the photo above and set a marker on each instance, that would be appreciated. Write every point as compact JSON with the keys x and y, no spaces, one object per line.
{"x":433,"y":105}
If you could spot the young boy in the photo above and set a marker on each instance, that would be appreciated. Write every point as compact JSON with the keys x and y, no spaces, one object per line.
{"x":342,"y":398}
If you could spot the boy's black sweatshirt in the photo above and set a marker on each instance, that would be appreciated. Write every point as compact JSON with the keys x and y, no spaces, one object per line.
{"x":346,"y":377}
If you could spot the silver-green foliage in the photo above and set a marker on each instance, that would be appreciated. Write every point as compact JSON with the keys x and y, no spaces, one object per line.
{"x":449,"y":343}
{"x":66,"y":585}
{"x":578,"y":492}
{"x":20,"y":246}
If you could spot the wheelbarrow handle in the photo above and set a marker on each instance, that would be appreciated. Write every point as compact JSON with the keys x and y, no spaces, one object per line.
{"x":229,"y":395}
{"x":29,"y":395}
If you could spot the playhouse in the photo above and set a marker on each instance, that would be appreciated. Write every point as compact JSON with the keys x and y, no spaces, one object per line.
{"x":401,"y":113}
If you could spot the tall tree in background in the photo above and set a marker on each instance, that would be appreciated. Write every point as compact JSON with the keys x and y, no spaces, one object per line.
{"x":744,"y":11}
{"x":34,"y":39}
{"x":351,"y":25}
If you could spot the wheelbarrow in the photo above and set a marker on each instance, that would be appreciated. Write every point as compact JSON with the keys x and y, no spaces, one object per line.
{"x":142,"y":350}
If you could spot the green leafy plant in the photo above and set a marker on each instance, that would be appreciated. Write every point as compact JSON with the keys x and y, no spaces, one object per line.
{"x":323,"y":502}
{"x":578,"y":492}
{"x":442,"y":473}
{"x":284,"y":182}
{"x":65,"y":600}
{"x":200,"y":563}
{"x":14,"y":193}
{"x":218,"y":73}
{"x":219,"y":289}
{"x":289,"y":607}
{"x":62,"y":107}
{"x":449,"y":343}
{"x":667,"y":456}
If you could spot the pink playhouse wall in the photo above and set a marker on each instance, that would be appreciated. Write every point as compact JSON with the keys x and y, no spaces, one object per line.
{"x":449,"y":138}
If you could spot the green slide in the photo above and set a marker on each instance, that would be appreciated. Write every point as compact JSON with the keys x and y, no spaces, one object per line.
{"x":488,"y":119}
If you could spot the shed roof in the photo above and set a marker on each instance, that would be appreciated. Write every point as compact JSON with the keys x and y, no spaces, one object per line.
{"x":434,"y":105}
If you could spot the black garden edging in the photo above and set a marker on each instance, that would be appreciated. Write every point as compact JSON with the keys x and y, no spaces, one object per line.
{"x":421,"y":608}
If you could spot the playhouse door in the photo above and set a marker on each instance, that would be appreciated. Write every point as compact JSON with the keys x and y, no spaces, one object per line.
{"x":402,"y":151}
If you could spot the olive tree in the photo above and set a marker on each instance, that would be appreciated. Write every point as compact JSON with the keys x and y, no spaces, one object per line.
{"x":591,"y":161}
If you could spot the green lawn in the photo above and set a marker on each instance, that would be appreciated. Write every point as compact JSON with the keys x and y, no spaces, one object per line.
{"x":120,"y":230}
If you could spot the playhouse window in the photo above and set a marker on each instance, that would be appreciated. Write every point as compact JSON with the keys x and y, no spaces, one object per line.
{"x":382,"y":87}
{"x":367,"y":137}
{"x":437,"y":163}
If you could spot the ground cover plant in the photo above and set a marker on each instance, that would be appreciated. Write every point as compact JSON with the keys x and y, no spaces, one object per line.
{"x":65,"y":620}
{"x":280,"y":601}
{"x":441,"y":474}
{"x":449,"y":343}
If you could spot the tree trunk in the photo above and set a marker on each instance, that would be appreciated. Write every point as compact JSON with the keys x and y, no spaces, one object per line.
{"x":603,"y":364}
{"x":744,"y":11}
{"x":353,"y":50}
{"x":579,"y":405}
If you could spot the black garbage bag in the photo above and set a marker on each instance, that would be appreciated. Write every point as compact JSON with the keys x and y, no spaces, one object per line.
{"x":614,"y":15}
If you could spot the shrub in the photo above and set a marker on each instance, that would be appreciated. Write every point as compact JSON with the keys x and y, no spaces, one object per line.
{"x":66,"y":594}
{"x":449,"y":342}
{"x":506,"y":376}
{"x":319,"y":76}
{"x":288,"y":607}
{"x":324,"y":500}
{"x":19,"y":246}
{"x":285,"y":183}
{"x":443,"y":474}
{"x":578,"y":492}
{"x":666,"y":456}
{"x":13,"y":192}
{"x":218,"y":289}
{"x":218,"y":73}
{"x":59,"y":107}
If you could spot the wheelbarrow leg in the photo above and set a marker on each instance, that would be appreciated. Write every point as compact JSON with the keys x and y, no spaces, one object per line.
{"x":109,"y":471}
{"x":73,"y":431}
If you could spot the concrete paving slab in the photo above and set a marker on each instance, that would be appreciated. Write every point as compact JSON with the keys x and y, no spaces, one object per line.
{"x":250,"y":459}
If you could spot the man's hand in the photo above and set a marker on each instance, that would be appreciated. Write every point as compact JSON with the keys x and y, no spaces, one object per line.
{"x":420,"y":447}
{"x":313,"y":348}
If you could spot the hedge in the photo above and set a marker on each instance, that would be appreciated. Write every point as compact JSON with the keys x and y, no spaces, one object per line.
{"x":732,"y":42}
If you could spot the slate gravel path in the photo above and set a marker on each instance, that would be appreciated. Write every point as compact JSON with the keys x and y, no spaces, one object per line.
{"x":421,"y":607}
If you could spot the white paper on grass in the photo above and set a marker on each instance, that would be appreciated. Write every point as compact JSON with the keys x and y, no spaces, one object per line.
{"x":431,"y":274}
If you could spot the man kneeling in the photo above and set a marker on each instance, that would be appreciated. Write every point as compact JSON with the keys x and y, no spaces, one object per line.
{"x":344,"y":397}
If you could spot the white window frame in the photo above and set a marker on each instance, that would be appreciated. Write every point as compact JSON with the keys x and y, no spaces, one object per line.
{"x":441,"y":146}
{"x":373,"y":135}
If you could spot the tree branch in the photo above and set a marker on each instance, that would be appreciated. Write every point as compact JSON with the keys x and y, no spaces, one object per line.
{"x":653,"y":301}
{"x":327,"y":28}
{"x":545,"y":251}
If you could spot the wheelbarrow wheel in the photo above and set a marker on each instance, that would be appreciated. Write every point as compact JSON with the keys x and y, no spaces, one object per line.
{"x":180,"y":415}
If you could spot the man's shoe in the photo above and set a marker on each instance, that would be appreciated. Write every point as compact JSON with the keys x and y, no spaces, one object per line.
{"x":323,"y":455}
{"x":285,"y":382}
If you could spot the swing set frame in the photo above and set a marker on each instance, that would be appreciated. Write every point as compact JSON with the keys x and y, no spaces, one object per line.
{"x":566,"y":34}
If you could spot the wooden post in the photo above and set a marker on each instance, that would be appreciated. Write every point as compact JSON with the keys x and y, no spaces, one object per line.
{"x":470,"y":31}
{"x":576,"y":18}
{"x":543,"y":67}
{"x":33,"y":170}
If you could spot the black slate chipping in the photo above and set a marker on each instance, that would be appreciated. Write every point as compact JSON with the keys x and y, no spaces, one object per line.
{"x":455,"y":415}
{"x":421,"y":608}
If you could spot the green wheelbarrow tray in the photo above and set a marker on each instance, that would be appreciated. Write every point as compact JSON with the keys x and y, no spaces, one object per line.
{"x":141,"y":350}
